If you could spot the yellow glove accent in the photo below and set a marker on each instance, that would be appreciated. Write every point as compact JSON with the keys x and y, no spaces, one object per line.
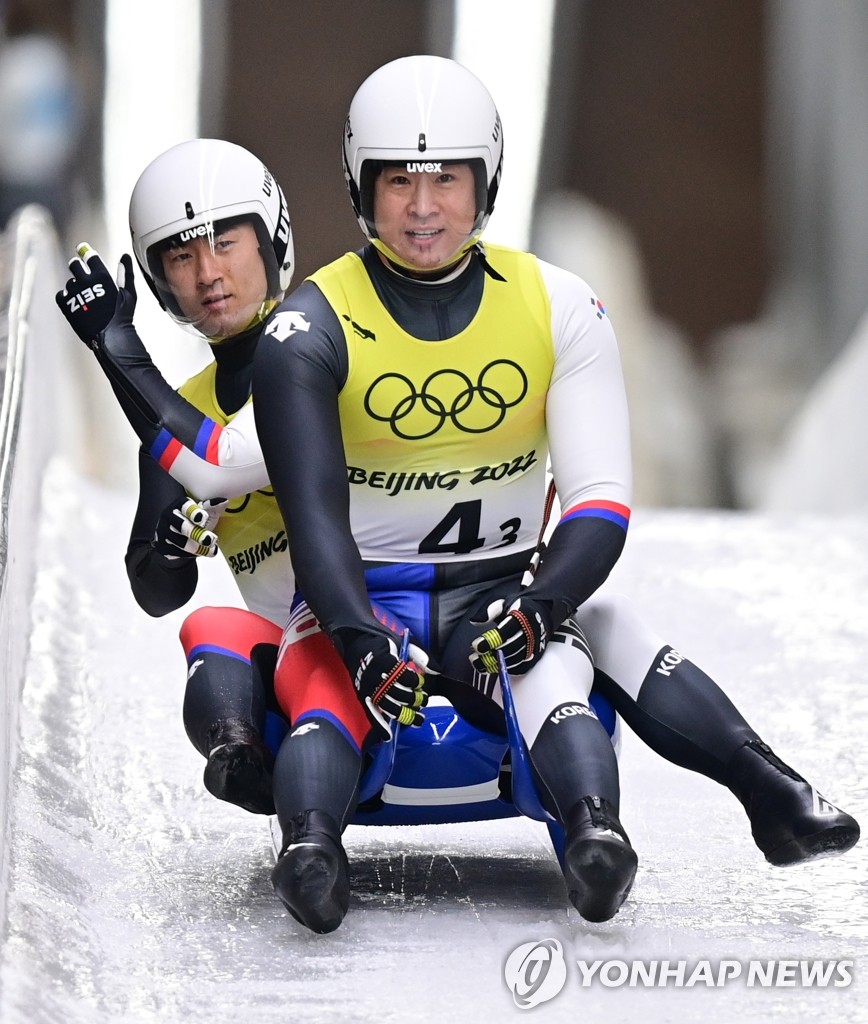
{"x":489,"y":662}
{"x":493,"y":637}
{"x":198,"y":532}
{"x":407,"y":716}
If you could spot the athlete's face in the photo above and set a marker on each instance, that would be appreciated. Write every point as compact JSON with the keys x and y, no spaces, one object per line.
{"x":425,"y":217}
{"x":219,"y":282}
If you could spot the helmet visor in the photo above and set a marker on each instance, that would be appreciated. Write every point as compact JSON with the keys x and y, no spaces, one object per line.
{"x":424,"y":214}
{"x":213,"y":277}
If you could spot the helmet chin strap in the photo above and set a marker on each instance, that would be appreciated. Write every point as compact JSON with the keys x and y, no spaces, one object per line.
{"x":443,"y":274}
{"x":486,"y":266}
{"x":436,"y":274}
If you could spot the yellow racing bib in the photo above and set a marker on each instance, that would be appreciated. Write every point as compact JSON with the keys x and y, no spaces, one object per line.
{"x":445,"y":441}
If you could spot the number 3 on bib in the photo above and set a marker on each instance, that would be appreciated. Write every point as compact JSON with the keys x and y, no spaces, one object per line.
{"x":461,"y":526}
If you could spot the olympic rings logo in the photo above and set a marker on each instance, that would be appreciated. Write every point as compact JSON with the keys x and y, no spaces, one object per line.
{"x":446,"y":395}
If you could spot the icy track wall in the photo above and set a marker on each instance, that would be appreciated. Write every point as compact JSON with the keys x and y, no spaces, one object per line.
{"x":29,"y":269}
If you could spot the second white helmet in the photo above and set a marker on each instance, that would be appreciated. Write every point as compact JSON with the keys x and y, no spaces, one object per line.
{"x":422,"y":110}
{"x":197,"y":185}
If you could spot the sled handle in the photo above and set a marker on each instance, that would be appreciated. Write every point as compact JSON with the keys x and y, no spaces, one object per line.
{"x":524,"y":794}
{"x":383,"y":760}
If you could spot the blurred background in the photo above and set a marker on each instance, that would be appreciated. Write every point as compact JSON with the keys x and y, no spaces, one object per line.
{"x":701,"y":165}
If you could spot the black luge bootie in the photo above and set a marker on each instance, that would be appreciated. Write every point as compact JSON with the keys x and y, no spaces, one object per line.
{"x":312,"y":874}
{"x":239,"y":768}
{"x":790,"y":821}
{"x":599,"y":862}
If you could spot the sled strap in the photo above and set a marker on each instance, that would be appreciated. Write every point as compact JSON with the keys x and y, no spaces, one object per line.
{"x":474,"y":707}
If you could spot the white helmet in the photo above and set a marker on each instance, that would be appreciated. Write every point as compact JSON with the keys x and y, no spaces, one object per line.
{"x":199,"y":185}
{"x":421,"y":110}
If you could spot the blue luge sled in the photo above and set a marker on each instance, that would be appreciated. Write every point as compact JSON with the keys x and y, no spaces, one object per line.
{"x":449,"y":770}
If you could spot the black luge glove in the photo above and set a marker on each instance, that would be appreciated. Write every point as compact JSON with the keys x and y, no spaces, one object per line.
{"x":89,"y":299}
{"x":389,"y":687}
{"x":522,"y":634}
{"x":184,"y":529}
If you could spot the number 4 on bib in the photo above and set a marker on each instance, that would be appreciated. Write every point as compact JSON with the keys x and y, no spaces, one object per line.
{"x":466,"y":516}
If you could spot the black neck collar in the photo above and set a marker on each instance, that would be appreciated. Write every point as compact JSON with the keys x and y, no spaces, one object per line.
{"x":237,"y":351}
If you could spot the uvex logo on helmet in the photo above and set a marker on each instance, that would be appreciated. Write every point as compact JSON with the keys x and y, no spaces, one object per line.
{"x":189,"y":233}
{"x":428,"y":167}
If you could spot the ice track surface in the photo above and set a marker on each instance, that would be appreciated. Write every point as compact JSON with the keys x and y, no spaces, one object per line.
{"x":136,"y":897}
